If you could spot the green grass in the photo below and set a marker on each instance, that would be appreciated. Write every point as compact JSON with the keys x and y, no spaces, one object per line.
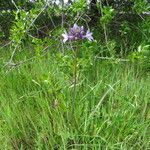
{"x":111,"y":109}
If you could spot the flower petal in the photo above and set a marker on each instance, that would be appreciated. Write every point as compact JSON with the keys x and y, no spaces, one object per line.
{"x":75,"y":26}
{"x":89,"y":35}
{"x":65,"y":36}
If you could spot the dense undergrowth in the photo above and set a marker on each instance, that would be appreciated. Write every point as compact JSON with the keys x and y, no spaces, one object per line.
{"x":111,"y":109}
{"x":83,"y":95}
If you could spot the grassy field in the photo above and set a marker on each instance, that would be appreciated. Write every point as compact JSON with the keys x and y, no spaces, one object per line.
{"x":40,"y":109}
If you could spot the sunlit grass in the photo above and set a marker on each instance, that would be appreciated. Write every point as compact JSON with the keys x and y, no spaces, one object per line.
{"x":111,"y":107}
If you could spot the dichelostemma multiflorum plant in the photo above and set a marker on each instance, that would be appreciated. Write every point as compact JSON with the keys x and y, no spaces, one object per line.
{"x":73,"y":36}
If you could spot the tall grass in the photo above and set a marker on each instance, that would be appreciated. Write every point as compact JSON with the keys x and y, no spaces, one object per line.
{"x":111,"y":108}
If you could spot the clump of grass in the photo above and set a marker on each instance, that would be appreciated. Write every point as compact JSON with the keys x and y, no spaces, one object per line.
{"x":111,"y":108}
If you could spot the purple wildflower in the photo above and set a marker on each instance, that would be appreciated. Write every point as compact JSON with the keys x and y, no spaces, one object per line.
{"x":77,"y":32}
{"x":89,"y":35}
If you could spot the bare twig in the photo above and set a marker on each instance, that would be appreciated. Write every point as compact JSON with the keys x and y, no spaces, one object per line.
{"x":114,"y":59}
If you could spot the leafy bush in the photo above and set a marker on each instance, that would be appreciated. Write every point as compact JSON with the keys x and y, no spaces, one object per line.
{"x":114,"y":23}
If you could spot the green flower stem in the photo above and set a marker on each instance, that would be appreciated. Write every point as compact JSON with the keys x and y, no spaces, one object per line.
{"x":74,"y":82}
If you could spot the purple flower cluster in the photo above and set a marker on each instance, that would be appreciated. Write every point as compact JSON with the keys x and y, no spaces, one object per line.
{"x":77,"y":32}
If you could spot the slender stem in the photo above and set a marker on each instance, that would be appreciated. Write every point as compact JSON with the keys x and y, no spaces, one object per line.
{"x":75,"y":81}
